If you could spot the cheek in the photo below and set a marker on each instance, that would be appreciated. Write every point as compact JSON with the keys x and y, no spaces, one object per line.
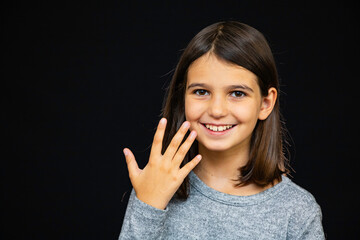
{"x":246,"y":113}
{"x":193,"y":110}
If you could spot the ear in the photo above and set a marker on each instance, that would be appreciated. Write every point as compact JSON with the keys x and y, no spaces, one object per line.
{"x":268,"y":103}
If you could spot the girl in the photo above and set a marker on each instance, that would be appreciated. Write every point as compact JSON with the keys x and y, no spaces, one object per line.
{"x":226,"y":177}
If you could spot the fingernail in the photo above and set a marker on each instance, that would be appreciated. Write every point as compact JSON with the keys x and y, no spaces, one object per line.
{"x":126,"y":152}
{"x":193,"y":134}
{"x":186,"y":124}
{"x":163,"y":121}
{"x":199,"y":157}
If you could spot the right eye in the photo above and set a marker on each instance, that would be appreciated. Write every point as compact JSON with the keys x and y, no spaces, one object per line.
{"x":201,"y":92}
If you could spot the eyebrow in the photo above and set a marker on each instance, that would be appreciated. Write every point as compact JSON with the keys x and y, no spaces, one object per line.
{"x":239,"y":86}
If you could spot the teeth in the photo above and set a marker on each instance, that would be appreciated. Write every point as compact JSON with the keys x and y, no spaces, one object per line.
{"x":218,"y":128}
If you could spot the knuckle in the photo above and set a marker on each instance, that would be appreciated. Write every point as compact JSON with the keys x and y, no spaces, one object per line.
{"x":187,"y":167}
{"x":151,"y":164}
{"x":157,"y":139}
{"x":183,"y":130}
{"x":174,"y":143}
{"x":187,"y":144}
{"x":128,"y":161}
{"x":190,"y":165}
{"x":174,"y":178}
{"x":131,"y":174}
{"x":164,"y":168}
{"x":182,"y":151}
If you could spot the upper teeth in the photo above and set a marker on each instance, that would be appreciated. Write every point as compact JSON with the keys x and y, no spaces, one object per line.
{"x":218,"y":128}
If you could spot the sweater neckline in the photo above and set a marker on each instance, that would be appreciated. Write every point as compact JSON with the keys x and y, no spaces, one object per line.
{"x":229,"y":199}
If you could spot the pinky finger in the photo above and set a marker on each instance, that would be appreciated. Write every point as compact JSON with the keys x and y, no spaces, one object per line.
{"x":185,"y":170}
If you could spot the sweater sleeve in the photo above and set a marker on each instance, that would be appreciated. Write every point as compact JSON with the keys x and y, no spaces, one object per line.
{"x":313,"y":229}
{"x":306,"y":223}
{"x":142,"y":221}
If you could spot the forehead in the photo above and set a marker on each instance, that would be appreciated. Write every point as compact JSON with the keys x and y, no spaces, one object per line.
{"x":211,"y":70}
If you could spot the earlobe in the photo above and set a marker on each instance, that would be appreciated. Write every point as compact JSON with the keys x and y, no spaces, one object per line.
{"x":268,"y":103}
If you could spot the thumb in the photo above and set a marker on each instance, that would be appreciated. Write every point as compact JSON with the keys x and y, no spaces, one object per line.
{"x":132,"y":165}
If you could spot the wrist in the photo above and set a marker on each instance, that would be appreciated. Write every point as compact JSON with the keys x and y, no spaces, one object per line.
{"x":154,"y":202}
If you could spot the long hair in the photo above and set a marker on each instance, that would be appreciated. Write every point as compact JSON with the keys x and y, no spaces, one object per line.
{"x":239,"y":44}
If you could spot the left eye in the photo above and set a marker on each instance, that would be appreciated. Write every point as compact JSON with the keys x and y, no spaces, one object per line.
{"x":238,"y":94}
{"x":201,"y":92}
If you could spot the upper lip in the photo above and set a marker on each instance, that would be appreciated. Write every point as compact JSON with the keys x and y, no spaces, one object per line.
{"x":218,"y":124}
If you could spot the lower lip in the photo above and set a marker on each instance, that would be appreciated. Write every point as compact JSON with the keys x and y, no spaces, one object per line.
{"x":217,"y":133}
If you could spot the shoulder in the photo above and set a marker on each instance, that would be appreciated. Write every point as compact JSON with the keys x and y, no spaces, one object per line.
{"x":303,"y":210}
{"x":298,"y":197}
{"x":305,"y":217}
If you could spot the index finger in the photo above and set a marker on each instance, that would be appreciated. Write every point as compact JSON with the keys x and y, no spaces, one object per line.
{"x":158,"y":138}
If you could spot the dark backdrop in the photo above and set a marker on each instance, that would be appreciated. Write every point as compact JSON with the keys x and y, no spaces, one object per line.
{"x":82,"y":81}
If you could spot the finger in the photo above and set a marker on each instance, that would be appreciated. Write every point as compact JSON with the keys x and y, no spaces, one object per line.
{"x":132,"y":165}
{"x":180,"y":154}
{"x":184,"y":171}
{"x":176,"y":141}
{"x":158,"y":138}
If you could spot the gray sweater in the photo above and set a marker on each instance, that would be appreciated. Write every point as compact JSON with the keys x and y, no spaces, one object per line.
{"x":285,"y":211}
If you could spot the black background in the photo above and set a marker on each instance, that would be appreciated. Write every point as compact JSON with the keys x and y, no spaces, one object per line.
{"x":82,"y":81}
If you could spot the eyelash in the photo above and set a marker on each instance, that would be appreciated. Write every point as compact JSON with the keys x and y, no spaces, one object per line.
{"x":196,"y":92}
{"x":242,"y":93}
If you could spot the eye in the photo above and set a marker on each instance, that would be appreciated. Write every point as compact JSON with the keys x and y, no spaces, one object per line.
{"x":238,"y":94}
{"x":201,"y":92}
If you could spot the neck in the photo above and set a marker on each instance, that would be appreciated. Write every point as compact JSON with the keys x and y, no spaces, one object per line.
{"x":221,"y":164}
{"x":220,"y":171}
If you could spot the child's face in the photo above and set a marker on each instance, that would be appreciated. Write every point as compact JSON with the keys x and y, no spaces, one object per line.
{"x":222,"y":103}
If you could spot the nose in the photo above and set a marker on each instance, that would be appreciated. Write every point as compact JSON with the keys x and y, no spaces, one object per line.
{"x":218,"y":107}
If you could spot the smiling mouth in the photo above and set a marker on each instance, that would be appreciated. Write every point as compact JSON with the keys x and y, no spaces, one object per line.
{"x":218,"y":128}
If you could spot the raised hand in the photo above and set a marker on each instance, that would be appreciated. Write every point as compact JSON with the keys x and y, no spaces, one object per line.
{"x":162,"y":176}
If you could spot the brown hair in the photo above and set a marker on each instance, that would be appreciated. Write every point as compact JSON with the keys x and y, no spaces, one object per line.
{"x":245,"y":46}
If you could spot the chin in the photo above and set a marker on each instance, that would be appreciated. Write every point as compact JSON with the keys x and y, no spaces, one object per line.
{"x":216,"y":147}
